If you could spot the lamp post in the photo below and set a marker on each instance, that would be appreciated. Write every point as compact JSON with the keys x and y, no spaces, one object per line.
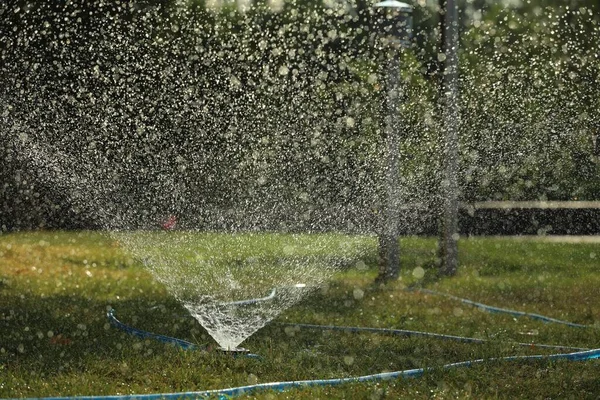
{"x":448,"y":246}
{"x":394,"y":24}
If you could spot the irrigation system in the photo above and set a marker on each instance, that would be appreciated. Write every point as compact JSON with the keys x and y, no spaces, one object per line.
{"x":571,"y":354}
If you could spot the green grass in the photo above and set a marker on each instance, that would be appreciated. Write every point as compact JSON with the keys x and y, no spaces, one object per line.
{"x":55,"y":288}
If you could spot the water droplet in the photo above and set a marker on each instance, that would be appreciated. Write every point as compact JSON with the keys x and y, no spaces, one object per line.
{"x":252,"y":379}
{"x":283,"y":70}
{"x":360,"y":265}
{"x":418,"y":272}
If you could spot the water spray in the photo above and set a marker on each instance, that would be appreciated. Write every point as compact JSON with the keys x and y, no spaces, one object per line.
{"x":136,"y":100}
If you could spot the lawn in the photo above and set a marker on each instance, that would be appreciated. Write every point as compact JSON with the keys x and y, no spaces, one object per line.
{"x":55,"y":339}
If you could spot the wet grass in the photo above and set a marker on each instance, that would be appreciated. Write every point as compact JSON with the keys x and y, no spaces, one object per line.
{"x":55,"y":288}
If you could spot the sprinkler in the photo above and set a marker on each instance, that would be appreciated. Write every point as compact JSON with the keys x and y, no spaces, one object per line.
{"x":238,"y":351}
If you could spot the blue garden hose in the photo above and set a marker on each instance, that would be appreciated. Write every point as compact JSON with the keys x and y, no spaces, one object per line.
{"x":271,"y":296}
{"x":493,"y":309}
{"x":148,"y":335}
{"x":282,"y":386}
{"x":409,"y":333}
{"x":581,"y":355}
{"x":170,"y":340}
{"x":352,"y":329}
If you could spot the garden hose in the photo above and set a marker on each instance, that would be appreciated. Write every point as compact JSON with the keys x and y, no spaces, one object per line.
{"x":352,"y":329}
{"x":148,"y":335}
{"x":270,"y":296}
{"x":579,"y":355}
{"x":409,"y":333}
{"x":171,"y":340}
{"x":493,"y":309}
{"x":282,"y":386}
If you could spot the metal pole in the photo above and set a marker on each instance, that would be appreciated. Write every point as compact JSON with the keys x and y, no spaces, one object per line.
{"x":450,"y":126}
{"x":389,"y":244}
{"x":395,"y":23}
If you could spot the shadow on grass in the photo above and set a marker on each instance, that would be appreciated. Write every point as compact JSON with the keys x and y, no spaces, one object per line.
{"x":47,"y":333}
{"x":64,"y":332}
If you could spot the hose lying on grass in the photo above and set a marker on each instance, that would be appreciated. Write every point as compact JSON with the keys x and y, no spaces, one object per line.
{"x":282,"y":386}
{"x":578,"y":355}
{"x":408,"y":333}
{"x":493,"y":309}
{"x":170,"y":340}
{"x":149,"y":335}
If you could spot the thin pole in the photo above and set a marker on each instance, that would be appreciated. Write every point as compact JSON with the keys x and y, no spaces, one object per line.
{"x":450,"y":126}
{"x":388,"y":241}
{"x":395,"y":24}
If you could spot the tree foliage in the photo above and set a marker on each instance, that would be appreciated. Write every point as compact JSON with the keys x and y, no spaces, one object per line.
{"x":530,"y":88}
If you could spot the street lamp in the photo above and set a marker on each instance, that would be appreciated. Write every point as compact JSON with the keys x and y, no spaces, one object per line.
{"x":394,"y":25}
{"x":394,"y":22}
{"x":448,"y":245}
